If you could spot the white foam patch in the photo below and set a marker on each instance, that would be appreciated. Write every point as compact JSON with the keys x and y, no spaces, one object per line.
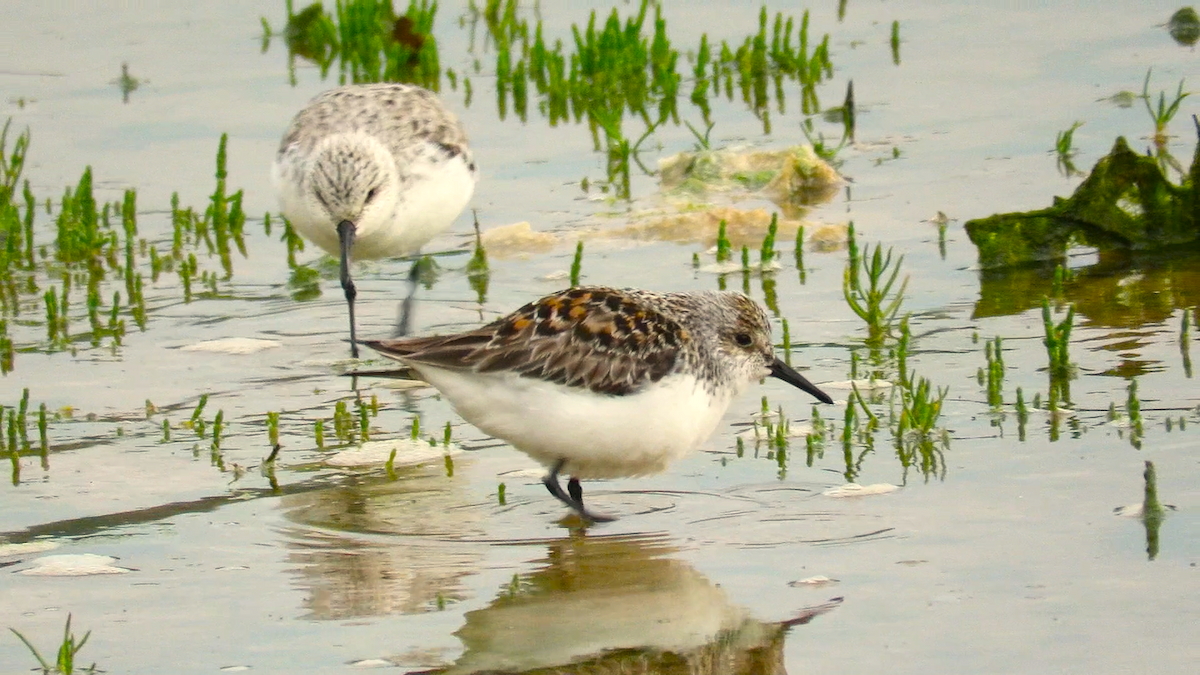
{"x":814,"y":582}
{"x":234,"y":345}
{"x":408,"y":452}
{"x":856,"y":490}
{"x":73,"y":565}
{"x":372,"y":663}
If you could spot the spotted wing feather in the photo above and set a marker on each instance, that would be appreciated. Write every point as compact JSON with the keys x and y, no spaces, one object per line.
{"x":599,"y":339}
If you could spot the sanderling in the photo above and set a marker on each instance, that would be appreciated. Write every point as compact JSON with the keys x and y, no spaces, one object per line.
{"x":600,"y":382}
{"x":373,"y":171}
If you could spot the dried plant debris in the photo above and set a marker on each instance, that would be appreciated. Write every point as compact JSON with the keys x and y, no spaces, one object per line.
{"x":517,"y":239}
{"x":791,"y":176}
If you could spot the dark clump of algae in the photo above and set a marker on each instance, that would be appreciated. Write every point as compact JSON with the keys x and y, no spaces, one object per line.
{"x":1127,"y":203}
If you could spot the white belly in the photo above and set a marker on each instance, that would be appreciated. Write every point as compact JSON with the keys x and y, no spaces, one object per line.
{"x":436,"y":194}
{"x":599,"y":436}
{"x":429,"y":204}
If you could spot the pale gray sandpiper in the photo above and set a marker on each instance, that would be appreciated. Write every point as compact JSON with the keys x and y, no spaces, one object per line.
{"x":373,"y":171}
{"x":602,"y":383}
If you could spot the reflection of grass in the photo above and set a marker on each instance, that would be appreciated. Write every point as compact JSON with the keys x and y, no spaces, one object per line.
{"x":477,"y":269}
{"x":1133,"y":408}
{"x":1185,"y":342}
{"x":1153,"y":512}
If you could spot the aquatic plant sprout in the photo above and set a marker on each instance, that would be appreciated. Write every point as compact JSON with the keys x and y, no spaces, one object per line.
{"x":64,"y":661}
{"x":876,"y":303}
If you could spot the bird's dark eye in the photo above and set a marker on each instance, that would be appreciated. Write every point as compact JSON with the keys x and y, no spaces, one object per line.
{"x":743,"y":339}
{"x":371,"y":194}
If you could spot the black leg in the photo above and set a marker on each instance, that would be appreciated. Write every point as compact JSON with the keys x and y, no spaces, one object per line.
{"x":573,"y":500}
{"x":406,"y":307}
{"x":346,"y":239}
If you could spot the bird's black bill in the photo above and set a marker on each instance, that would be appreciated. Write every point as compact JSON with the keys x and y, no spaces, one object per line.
{"x":345,"y":230}
{"x":786,"y":373}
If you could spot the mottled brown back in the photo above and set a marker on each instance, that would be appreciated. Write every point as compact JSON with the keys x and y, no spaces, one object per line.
{"x":601,"y":339}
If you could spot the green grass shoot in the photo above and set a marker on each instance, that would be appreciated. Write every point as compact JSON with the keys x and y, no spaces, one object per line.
{"x":1164,"y":112}
{"x":724,"y":247}
{"x":895,"y":42}
{"x":576,"y":264}
{"x":273,"y":428}
{"x":767,"y":252}
{"x":876,"y":303}
{"x":64,"y":662}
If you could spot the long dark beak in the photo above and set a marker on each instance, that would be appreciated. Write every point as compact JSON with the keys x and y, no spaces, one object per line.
{"x":345,"y":230}
{"x":785,"y":372}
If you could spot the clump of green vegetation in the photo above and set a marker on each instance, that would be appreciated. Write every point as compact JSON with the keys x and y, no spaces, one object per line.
{"x":96,"y":246}
{"x":920,"y":409}
{"x":767,"y":252}
{"x":15,"y":443}
{"x":1184,"y":26}
{"x":875,"y":303}
{"x":1126,"y":203}
{"x":366,"y":39}
{"x":64,"y":663}
{"x":995,"y":372}
{"x":273,"y":428}
{"x":724,"y":247}
{"x":1022,"y":414}
{"x":1057,"y":340}
{"x":1163,"y":113}
{"x":895,"y":42}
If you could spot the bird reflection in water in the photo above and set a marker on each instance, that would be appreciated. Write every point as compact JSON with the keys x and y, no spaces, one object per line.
{"x":601,"y":605}
{"x":372,"y":547}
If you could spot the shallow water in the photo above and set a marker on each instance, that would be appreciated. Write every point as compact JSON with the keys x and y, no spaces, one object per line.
{"x":1005,"y":557}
